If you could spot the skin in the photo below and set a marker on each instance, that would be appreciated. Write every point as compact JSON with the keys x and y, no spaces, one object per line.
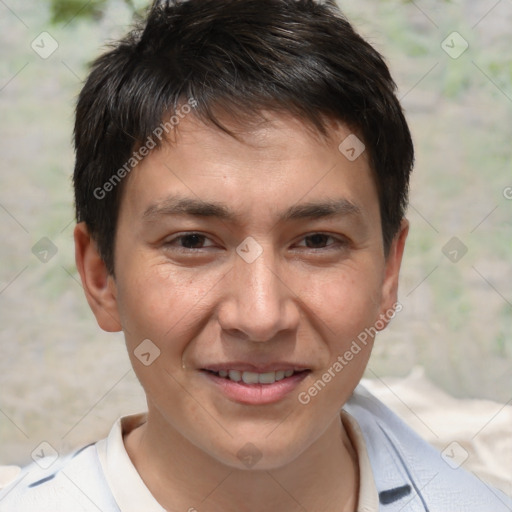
{"x":303,"y":300}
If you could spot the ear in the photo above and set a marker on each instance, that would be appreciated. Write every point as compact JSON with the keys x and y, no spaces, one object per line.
{"x":389,"y":297}
{"x":98,"y":284}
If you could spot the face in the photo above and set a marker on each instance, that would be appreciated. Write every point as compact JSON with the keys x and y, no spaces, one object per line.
{"x":258,"y":259}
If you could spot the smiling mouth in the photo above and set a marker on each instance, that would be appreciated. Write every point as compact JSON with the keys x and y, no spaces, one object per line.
{"x":254,"y":377}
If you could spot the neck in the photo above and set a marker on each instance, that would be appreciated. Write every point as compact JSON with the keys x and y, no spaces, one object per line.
{"x":182,"y":477}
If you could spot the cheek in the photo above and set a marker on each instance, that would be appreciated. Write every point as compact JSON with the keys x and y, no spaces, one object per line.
{"x":345,"y":301}
{"x":161,"y":303}
{"x":346,"y":307}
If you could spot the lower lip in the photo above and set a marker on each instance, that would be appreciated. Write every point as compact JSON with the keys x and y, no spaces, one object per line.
{"x":257,"y":394}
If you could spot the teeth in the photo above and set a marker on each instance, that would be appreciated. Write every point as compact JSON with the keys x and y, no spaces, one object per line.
{"x":255,"y":378}
{"x":250,"y":377}
{"x":235,"y":375}
{"x":267,"y":378}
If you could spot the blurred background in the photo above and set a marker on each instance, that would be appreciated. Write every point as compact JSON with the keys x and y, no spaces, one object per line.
{"x":64,"y":381}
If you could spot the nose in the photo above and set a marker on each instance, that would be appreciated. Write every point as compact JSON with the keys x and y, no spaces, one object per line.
{"x":258,"y":304}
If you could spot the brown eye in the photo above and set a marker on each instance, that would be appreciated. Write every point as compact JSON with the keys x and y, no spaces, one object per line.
{"x":189,"y":241}
{"x":192,"y":241}
{"x":320,"y":241}
{"x":317,"y":239}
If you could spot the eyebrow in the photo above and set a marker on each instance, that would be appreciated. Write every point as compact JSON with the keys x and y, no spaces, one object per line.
{"x":177,"y":205}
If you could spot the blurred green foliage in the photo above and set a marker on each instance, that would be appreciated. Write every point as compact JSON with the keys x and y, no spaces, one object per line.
{"x":64,"y":10}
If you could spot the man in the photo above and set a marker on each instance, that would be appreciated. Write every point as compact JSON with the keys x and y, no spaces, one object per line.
{"x":241,"y":180}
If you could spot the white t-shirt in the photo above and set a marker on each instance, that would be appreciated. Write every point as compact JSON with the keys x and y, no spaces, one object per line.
{"x":101,"y":477}
{"x":399,"y":472}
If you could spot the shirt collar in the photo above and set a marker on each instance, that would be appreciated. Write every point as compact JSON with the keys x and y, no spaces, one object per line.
{"x":126,"y":485}
{"x":132,"y":495}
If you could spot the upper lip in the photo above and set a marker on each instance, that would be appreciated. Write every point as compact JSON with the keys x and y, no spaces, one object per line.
{"x":256,"y":368}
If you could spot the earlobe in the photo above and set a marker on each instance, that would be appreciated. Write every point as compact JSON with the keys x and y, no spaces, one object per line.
{"x":389,"y":300}
{"x":99,"y":285}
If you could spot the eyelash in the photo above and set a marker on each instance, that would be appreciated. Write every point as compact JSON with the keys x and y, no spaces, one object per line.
{"x":341,"y":242}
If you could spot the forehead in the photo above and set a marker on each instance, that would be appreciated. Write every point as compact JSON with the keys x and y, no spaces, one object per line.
{"x":265,"y":131}
{"x":278,"y":162}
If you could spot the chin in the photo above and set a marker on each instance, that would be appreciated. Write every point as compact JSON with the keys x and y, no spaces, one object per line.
{"x":259,"y":453}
